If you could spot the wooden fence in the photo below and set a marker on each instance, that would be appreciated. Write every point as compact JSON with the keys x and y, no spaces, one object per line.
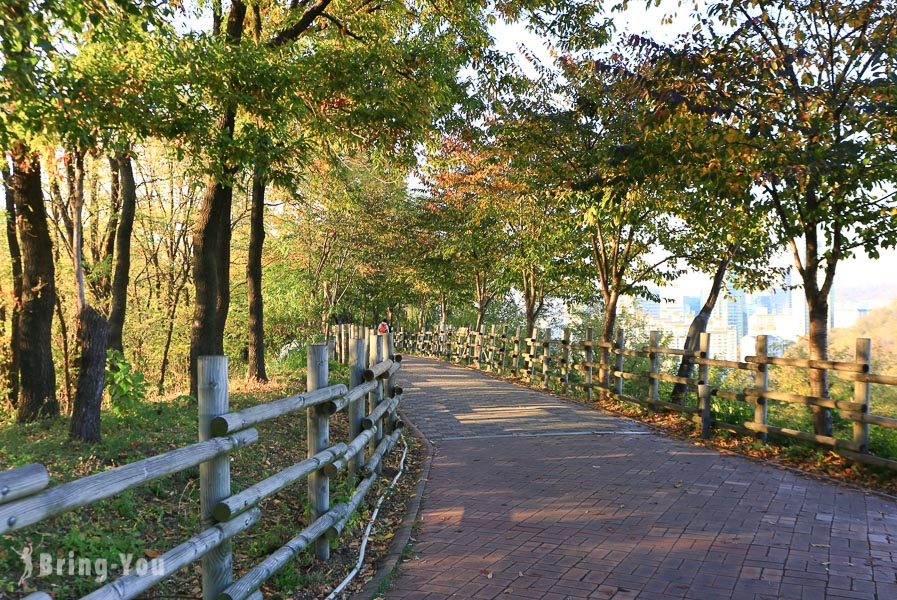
{"x":587,"y":365}
{"x":374,"y":429}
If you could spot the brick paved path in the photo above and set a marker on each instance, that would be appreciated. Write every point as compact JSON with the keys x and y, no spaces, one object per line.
{"x":533,"y":497}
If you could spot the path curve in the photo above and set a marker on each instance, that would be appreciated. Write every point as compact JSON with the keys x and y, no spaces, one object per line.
{"x":534,"y":497}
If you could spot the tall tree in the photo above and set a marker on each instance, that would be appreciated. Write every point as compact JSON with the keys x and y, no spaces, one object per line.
{"x":15,"y":255}
{"x":807,"y":85}
{"x":380,"y":74}
{"x":121,"y":274}
{"x":212,"y":230}
{"x":37,"y":388}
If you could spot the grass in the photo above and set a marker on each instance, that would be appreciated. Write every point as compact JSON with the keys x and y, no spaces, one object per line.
{"x":144,"y":522}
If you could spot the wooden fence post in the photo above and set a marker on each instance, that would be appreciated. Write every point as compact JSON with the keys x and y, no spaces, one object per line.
{"x":478,"y":345}
{"x":214,"y":475}
{"x":546,"y":359}
{"x":388,"y":352}
{"x":654,"y":342}
{"x":704,"y":400}
{"x":490,"y":357}
{"x":504,"y":349}
{"x":861,"y":394}
{"x":337,"y":342}
{"x":590,"y":357}
{"x":761,"y":381}
{"x":318,"y":440}
{"x":358,"y":362}
{"x":604,"y":354}
{"x":618,"y":362}
{"x":518,"y":350}
{"x":375,"y":397}
{"x":346,"y":348}
{"x":531,"y":356}
{"x":565,"y":360}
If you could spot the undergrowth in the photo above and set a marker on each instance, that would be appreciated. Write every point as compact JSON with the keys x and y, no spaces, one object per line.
{"x":144,"y":522}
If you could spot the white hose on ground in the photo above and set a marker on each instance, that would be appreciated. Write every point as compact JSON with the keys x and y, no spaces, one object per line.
{"x":367,"y":531}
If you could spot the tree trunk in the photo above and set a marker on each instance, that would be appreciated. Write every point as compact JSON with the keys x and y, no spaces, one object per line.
{"x":92,"y":330}
{"x":817,"y":304}
{"x":422,"y":305}
{"x":530,"y":315}
{"x":611,"y":299}
{"x":166,"y":349}
{"x":211,"y":240}
{"x":66,"y":356}
{"x":481,"y":316}
{"x":211,"y":271}
{"x":256,"y":358}
{"x":37,"y":384}
{"x":15,"y":259}
{"x":121,"y":276}
{"x":533,"y":302}
{"x":443,"y":311}
{"x":105,"y":248}
{"x":94,"y":336}
{"x":325,"y":322}
{"x":699,"y":326}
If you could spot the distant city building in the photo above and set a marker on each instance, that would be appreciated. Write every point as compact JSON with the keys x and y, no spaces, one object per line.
{"x":691,"y":305}
{"x":780,"y":300}
{"x":723,"y":342}
{"x":734,"y":310}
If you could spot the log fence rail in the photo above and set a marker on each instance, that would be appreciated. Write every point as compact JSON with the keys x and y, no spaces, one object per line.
{"x":26,"y":497}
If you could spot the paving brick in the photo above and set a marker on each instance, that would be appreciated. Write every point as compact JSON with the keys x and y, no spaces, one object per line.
{"x":588,"y":505}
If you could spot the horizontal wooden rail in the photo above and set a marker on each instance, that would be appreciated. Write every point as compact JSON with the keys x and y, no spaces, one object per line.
{"x":596,"y":365}
{"x":736,"y":396}
{"x":597,"y":344}
{"x":728,"y":364}
{"x":383,"y":448}
{"x":23,"y":481}
{"x":255,"y":577}
{"x":75,"y":494}
{"x":378,"y":370}
{"x":802,"y":435}
{"x":673,"y":351}
{"x":353,"y":448}
{"x":672,"y":378}
{"x":360,"y":492}
{"x":830,"y":365}
{"x":228,"y":508}
{"x":632,"y":353}
{"x":868,"y":458}
{"x":870,"y":378}
{"x":657,"y":403}
{"x":806,"y":400}
{"x":332,"y":407}
{"x":632,"y":376}
{"x":235,"y":421}
{"x":879,"y":420}
{"x":370,"y":421}
{"x":135,"y":583}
